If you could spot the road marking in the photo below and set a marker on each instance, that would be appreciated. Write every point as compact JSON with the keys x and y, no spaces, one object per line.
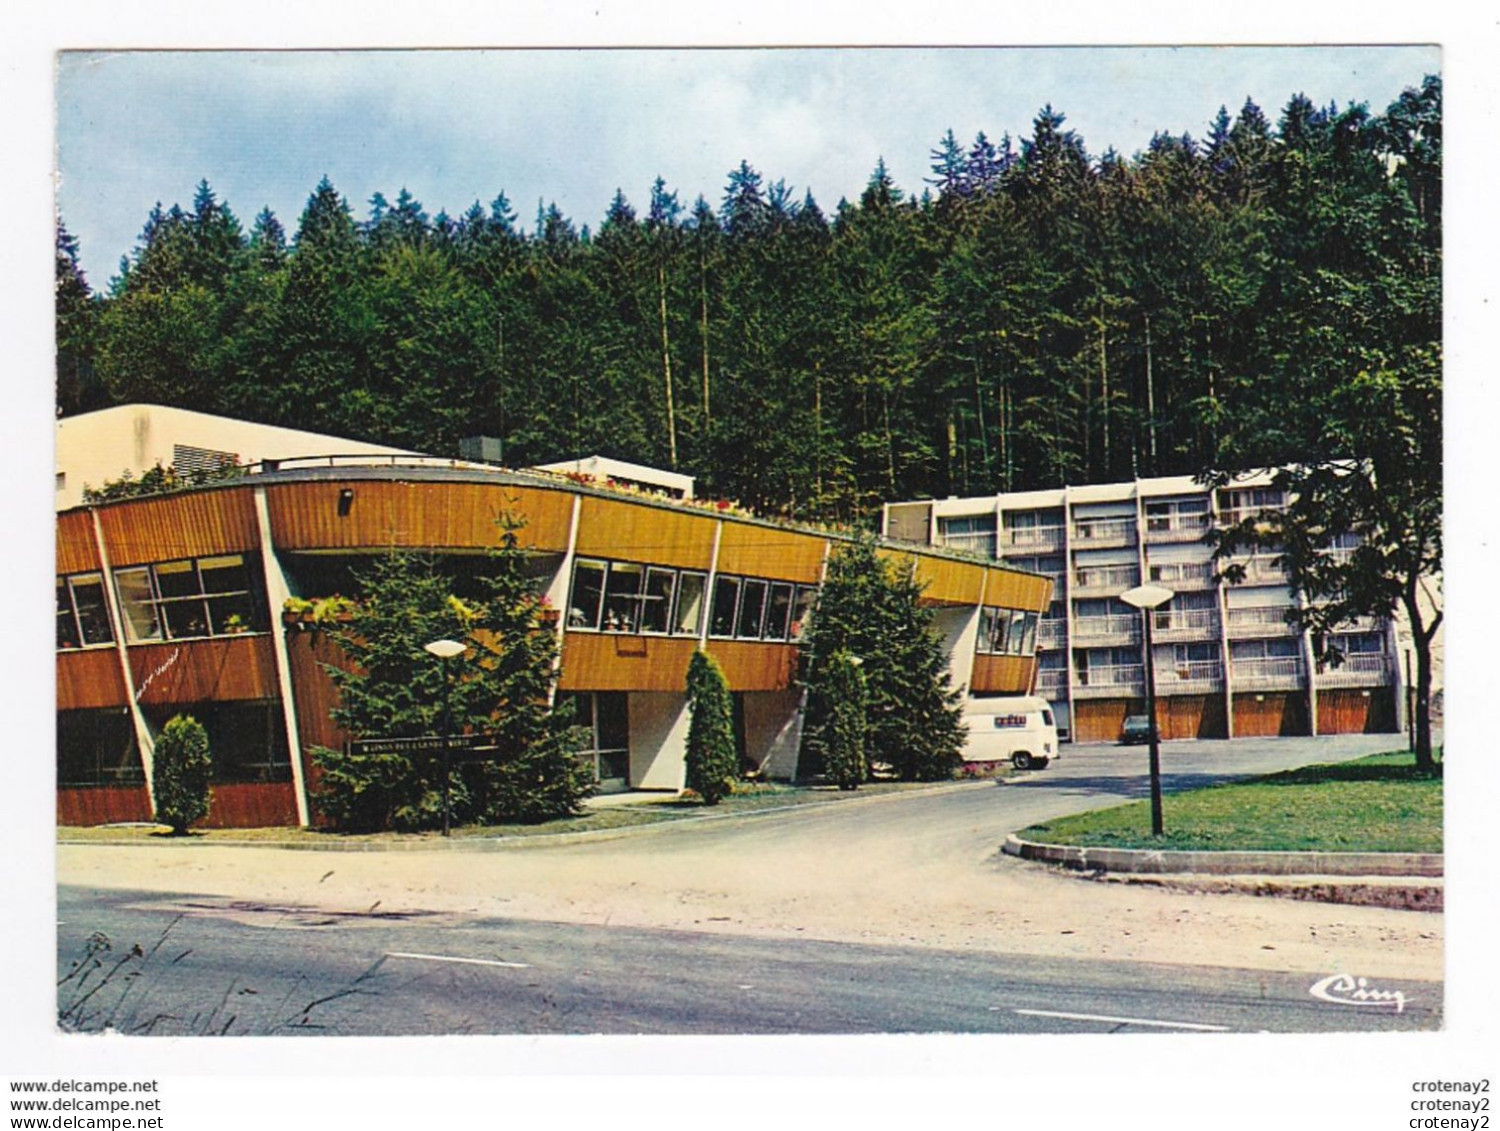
{"x":463,"y":961}
{"x":1126,"y":1020}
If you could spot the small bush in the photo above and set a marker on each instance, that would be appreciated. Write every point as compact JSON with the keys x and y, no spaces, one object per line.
{"x":711,"y":756}
{"x":844,"y":751}
{"x":181,"y":768}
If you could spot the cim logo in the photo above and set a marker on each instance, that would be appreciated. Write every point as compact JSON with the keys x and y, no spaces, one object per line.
{"x":1345,"y":989}
{"x":1010,"y":722}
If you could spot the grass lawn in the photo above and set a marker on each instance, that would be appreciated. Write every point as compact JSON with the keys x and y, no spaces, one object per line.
{"x":1374,"y":804}
{"x":747,"y":798}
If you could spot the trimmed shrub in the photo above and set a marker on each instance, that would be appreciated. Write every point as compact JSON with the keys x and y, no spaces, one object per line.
{"x":181,"y":768}
{"x":712,"y":761}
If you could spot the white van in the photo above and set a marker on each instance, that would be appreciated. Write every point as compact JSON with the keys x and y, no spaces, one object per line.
{"x":1019,"y":729}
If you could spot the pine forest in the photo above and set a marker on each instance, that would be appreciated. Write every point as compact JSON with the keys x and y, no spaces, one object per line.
{"x":1032,"y":315}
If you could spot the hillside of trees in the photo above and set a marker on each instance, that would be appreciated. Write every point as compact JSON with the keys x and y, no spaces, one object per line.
{"x":1033,"y":315}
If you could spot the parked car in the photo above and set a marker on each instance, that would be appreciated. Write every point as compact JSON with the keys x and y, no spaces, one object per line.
{"x":1137,"y":728}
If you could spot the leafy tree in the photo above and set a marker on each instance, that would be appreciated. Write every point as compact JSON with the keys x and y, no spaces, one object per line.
{"x":712,"y":762}
{"x":869,"y":608}
{"x":180,"y":773}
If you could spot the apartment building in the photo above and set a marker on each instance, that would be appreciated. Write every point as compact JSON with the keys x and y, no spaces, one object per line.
{"x":1227,"y":662}
{"x":178,"y":603}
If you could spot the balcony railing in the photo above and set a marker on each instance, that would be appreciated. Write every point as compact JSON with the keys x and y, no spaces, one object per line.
{"x":1192,"y":678}
{"x":1183,"y":576}
{"x":1105,"y":579}
{"x":1024,"y":539}
{"x":1097,"y":682}
{"x":1261,"y":570}
{"x":1052,"y":682}
{"x":1052,"y":633}
{"x":1122,"y":628}
{"x":1103,"y":531}
{"x":1184,"y":624}
{"x":1280,"y":673}
{"x":1176,"y":528}
{"x":977,"y":542}
{"x":1260,"y":620}
{"x":1362,"y":670}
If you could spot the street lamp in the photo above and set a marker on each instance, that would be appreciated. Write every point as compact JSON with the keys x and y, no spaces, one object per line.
{"x":1148,"y":598}
{"x":445,"y":650}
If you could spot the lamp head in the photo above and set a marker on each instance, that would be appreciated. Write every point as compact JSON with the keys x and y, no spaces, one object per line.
{"x":445,"y":649}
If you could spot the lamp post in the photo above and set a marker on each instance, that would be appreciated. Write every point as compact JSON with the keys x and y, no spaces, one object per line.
{"x":1149,"y":598}
{"x":445,"y":650}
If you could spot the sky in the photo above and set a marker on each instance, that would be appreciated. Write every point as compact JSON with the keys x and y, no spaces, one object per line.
{"x":574,"y":125}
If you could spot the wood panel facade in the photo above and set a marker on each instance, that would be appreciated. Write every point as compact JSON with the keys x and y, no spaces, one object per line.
{"x":1269,"y":714}
{"x":89,"y":677}
{"x":171,"y":527}
{"x":752,"y":666}
{"x":382,"y":514}
{"x":1355,"y":711}
{"x":1002,"y":675}
{"x":612,"y":661}
{"x":640,"y":532}
{"x":315,"y":696}
{"x":226,"y":669}
{"x":1011,"y":589}
{"x":77,"y":552}
{"x":250,"y":806}
{"x":1100,"y":720}
{"x":1191,"y":716}
{"x":752,"y":550}
{"x":103,"y":805}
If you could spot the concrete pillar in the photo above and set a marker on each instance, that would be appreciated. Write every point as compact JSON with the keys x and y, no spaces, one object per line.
{"x":658,"y":739}
{"x":773,"y":731}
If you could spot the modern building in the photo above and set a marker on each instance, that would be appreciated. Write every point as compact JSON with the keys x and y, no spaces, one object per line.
{"x":1228,"y":664}
{"x":173,"y":603}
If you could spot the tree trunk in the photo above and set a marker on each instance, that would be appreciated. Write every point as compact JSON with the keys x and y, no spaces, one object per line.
{"x":1150,"y":400}
{"x":1421,"y":638}
{"x":666,"y":362}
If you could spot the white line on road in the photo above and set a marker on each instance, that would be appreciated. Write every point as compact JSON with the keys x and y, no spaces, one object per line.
{"x":464,"y":961}
{"x":1125,"y":1020}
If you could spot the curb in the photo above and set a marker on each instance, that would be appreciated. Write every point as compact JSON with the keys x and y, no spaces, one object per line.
{"x":1394,"y":893}
{"x":505,"y":843}
{"x":1152,"y":861}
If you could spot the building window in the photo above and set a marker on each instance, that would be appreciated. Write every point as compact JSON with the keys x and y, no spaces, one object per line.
{"x":189,"y":599}
{"x":82,"y":618}
{"x":687,"y":620}
{"x":246,"y":740}
{"x":605,"y":719}
{"x":656,"y":600}
{"x":588,"y":594}
{"x":622,"y":597}
{"x":97,"y":748}
{"x":726,"y":598}
{"x":779,"y":612}
{"x":752,"y":609}
{"x":1006,"y":632}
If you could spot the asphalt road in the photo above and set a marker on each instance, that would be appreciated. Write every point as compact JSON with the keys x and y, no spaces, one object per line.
{"x":222,"y":967}
{"x":222,"y":963}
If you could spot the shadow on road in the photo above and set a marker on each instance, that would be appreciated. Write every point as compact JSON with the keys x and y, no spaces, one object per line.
{"x":1128,"y":787}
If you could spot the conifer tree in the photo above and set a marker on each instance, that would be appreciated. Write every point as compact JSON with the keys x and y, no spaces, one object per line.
{"x":712,"y":763}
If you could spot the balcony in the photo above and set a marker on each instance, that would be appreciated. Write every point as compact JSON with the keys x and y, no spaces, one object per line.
{"x":1176,"y":527}
{"x":1260,"y":620}
{"x":977,"y":542}
{"x":1283,"y":673}
{"x":1122,"y":628}
{"x":1052,"y":682}
{"x":1361,"y":670}
{"x":1052,"y":633}
{"x":1261,"y":571}
{"x":1197,"y":677}
{"x":1110,"y":681}
{"x":1096,"y":533}
{"x":1033,"y":539}
{"x":1183,"y":576}
{"x":1184,"y":624}
{"x":1104,"y":581}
